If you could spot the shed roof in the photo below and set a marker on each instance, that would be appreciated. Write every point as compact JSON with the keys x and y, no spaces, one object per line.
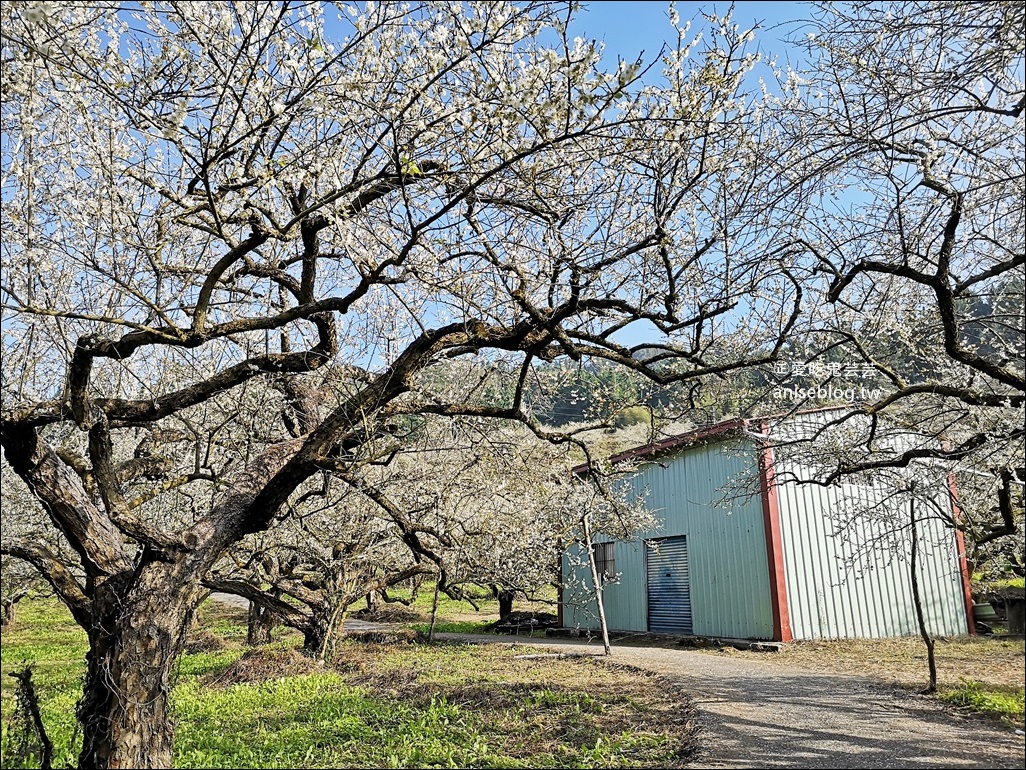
{"x":703,"y":435}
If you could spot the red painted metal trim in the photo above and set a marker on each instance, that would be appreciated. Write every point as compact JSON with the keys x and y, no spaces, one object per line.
{"x":967,"y":587}
{"x":774,"y":542}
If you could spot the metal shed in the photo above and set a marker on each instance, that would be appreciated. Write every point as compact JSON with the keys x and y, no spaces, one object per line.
{"x":745,"y":551}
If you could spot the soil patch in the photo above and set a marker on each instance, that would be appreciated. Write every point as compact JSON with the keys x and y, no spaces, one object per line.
{"x":204,"y":641}
{"x":261,"y":664}
{"x":388,"y":613}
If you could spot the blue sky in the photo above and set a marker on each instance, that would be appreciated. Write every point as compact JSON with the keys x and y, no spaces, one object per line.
{"x":630,"y":26}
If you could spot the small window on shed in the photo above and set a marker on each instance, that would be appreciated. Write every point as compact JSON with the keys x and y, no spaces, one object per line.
{"x":605,"y":561}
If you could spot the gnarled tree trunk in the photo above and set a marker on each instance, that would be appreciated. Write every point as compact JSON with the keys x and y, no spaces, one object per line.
{"x":505,"y":598}
{"x":260,"y":622}
{"x":141,"y":619}
{"x":316,"y":631}
{"x":10,"y":611}
{"x":373,"y":601}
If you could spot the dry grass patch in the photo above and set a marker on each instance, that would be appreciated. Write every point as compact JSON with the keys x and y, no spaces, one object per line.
{"x":203,"y":640}
{"x":261,"y":664}
{"x":387,"y":636}
{"x":982,"y":674}
{"x":388,"y":613}
{"x":991,"y":660}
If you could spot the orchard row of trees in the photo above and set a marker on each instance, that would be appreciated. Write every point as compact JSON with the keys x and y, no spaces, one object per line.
{"x":279,"y":278}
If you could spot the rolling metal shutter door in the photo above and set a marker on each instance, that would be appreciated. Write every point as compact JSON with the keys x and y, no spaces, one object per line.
{"x":669,"y":589}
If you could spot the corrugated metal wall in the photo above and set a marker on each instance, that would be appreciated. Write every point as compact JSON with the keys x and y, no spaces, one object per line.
{"x":846,"y":562}
{"x":730,"y":593}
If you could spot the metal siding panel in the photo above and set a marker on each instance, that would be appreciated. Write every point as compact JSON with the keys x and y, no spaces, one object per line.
{"x":796,"y":556}
{"x":848,"y":593}
{"x":730,"y":592}
{"x":578,"y":606}
{"x":624,"y":600}
{"x":873,"y":598}
{"x":941,"y":576}
{"x":823,"y":559}
{"x":839,"y":590}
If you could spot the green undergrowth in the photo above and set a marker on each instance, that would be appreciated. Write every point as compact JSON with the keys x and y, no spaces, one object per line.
{"x":999,"y":701}
{"x":998,"y":584}
{"x":46,"y":638}
{"x":373,"y":705}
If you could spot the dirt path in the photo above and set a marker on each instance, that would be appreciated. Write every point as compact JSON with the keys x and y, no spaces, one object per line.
{"x":760,"y":713}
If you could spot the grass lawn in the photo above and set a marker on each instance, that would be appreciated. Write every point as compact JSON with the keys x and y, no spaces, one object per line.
{"x":374,"y":705}
{"x":983,"y":674}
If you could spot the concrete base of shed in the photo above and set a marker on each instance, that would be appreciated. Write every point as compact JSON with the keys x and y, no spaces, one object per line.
{"x":639,"y":638}
{"x":737,"y":644}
